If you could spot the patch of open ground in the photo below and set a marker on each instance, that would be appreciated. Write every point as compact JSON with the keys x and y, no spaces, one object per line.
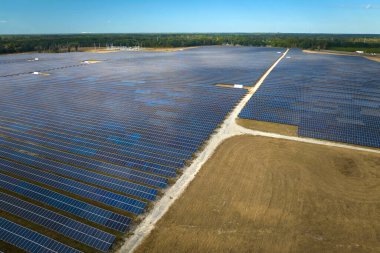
{"x":166,"y":49}
{"x":268,"y":127}
{"x":377,"y":59}
{"x":331,"y":52}
{"x":98,"y":50}
{"x":232,"y":86}
{"x":41,"y":73}
{"x":259,"y":194}
{"x":91,"y":61}
{"x":147,"y":49}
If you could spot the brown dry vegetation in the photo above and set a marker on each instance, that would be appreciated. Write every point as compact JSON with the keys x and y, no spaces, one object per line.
{"x":377,"y":59}
{"x":259,"y":194}
{"x":268,"y":127}
{"x":147,"y":49}
{"x":98,"y":50}
{"x":166,"y":49}
{"x":91,"y":61}
{"x":343,"y":53}
{"x":231,"y":86}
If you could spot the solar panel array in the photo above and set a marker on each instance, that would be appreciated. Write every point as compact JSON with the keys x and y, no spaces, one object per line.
{"x":99,"y":142}
{"x":328,"y":97}
{"x":62,"y":202}
{"x":63,"y":225}
{"x":29,"y":240}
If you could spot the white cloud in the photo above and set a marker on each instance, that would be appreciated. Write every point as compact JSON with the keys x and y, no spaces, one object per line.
{"x":3,"y":21}
{"x":371,"y":7}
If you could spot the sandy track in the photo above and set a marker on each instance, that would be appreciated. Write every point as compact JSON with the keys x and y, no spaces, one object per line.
{"x":258,"y":194}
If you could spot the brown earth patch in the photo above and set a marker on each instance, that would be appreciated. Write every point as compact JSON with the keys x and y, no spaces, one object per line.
{"x":259,"y":194}
{"x":268,"y":127}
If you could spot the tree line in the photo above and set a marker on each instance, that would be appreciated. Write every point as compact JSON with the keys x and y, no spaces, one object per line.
{"x":76,"y":42}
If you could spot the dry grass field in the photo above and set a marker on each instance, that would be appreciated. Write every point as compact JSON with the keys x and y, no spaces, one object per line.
{"x":145,"y":49}
{"x":258,"y":194}
{"x":231,"y":86}
{"x":166,"y":49}
{"x":377,"y":59}
{"x":268,"y":127}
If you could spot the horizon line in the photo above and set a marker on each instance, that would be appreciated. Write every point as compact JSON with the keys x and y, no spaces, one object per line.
{"x":174,"y":33}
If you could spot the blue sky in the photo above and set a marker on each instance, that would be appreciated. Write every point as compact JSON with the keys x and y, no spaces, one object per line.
{"x":144,"y":16}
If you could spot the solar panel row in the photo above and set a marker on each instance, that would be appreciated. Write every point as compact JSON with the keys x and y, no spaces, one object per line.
{"x":62,"y":202}
{"x":29,"y":240}
{"x":90,"y":236}
{"x":80,"y":174}
{"x":113,"y":133}
{"x":106,"y":144}
{"x":84,"y":162}
{"x":74,"y":187}
{"x":231,"y":65}
{"x":328,"y":97}
{"x":177,"y":143}
{"x":88,"y":152}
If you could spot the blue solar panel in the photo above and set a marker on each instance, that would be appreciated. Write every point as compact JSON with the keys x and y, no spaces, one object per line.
{"x":78,"y":208}
{"x":114,"y":133}
{"x":83,"y":233}
{"x":96,"y":194}
{"x":84,"y":162}
{"x":328,"y":97}
{"x":29,"y":240}
{"x":84,"y":151}
{"x":80,"y":174}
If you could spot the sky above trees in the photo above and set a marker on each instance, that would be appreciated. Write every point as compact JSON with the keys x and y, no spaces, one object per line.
{"x":169,"y":16}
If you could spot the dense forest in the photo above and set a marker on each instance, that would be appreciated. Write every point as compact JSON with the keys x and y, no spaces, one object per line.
{"x":74,"y":42}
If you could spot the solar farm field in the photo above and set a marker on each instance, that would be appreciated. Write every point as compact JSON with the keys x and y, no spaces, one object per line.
{"x":86,"y":149}
{"x":328,"y":97}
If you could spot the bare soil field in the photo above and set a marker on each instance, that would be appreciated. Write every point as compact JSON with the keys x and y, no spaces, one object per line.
{"x":268,"y":127}
{"x":147,"y":49}
{"x":166,"y":49}
{"x":231,"y":86}
{"x":377,"y":59}
{"x":98,"y":50}
{"x":258,"y":194}
{"x":331,"y":52}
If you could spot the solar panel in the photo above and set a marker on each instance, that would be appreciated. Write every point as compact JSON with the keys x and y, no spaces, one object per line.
{"x":328,"y":97}
{"x":78,"y":208}
{"x":114,"y":133}
{"x":29,"y":240}
{"x":84,"y":162}
{"x":83,"y":233}
{"x":77,"y":188}
{"x":82,"y":175}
